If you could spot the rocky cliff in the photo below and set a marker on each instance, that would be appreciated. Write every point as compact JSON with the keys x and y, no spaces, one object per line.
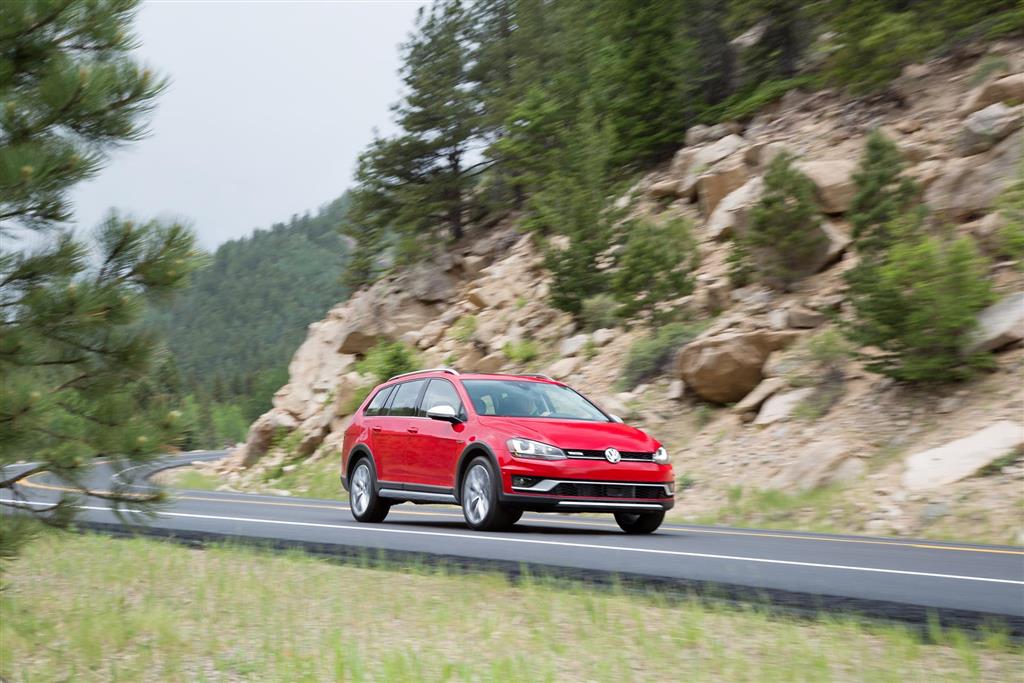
{"x":764,"y":427}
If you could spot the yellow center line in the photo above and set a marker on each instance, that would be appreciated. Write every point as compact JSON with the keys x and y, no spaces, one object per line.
{"x":684,"y":529}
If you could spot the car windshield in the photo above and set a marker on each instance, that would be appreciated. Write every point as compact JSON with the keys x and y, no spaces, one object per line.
{"x":518,"y":398}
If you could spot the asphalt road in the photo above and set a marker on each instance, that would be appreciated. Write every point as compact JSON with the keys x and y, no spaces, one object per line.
{"x":958,"y":583}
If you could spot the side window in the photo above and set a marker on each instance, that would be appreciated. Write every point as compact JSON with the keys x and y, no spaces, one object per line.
{"x":406,"y":397}
{"x":440,"y":392}
{"x":376,"y":404}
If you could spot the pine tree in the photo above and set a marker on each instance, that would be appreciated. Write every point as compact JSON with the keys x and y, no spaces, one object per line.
{"x":72,"y":354}
{"x":573,"y":204}
{"x":785,"y":226}
{"x":657,"y":264}
{"x":883,"y":195}
{"x":918,"y":306}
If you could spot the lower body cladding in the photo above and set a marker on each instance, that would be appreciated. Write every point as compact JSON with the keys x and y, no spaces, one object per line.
{"x":541,"y":494}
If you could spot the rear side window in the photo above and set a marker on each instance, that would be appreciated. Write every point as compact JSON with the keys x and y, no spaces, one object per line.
{"x":439,"y":392}
{"x":376,"y":404}
{"x":406,"y":397}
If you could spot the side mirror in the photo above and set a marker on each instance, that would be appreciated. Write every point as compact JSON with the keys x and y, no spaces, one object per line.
{"x":615,"y":418}
{"x":445,"y":413}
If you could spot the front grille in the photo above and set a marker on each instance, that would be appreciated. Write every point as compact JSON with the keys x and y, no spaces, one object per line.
{"x":632,"y":456}
{"x":588,"y":490}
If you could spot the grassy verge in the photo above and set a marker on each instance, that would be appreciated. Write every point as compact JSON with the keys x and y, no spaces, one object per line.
{"x":310,"y":480}
{"x":821,"y":510}
{"x":90,"y":608}
{"x":190,"y":479}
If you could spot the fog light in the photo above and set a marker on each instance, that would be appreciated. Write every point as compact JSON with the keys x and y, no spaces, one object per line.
{"x":523,"y":482}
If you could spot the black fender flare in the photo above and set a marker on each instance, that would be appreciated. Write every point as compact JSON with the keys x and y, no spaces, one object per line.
{"x":359,"y":450}
{"x":471,"y":451}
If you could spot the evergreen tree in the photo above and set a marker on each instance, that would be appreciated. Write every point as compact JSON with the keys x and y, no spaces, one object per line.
{"x":918,"y":306}
{"x":573,"y":204}
{"x":657,"y":264}
{"x":71,"y":352}
{"x":785,"y":226}
{"x":883,"y":195}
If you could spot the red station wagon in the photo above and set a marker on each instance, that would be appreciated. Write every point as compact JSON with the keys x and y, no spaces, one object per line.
{"x":499,"y":445}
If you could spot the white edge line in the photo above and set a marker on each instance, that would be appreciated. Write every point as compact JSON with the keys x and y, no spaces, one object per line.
{"x":587,"y":546}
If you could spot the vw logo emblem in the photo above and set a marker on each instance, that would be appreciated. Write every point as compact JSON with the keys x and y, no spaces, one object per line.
{"x":612,"y":455}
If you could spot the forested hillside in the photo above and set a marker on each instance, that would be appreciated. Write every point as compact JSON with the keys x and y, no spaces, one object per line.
{"x":543,"y":106}
{"x":232,"y":331}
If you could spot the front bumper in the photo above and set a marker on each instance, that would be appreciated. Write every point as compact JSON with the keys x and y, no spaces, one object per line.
{"x":556,"y":494}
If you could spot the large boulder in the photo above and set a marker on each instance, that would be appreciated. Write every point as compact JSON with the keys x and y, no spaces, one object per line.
{"x":262,"y":433}
{"x":698,"y":161}
{"x":971,"y":186}
{"x":986,"y":127}
{"x":962,"y":458}
{"x":999,"y":325}
{"x":833,"y":182}
{"x":726,"y":367}
{"x":726,"y":176}
{"x":701,"y":134}
{"x":731,"y":216}
{"x":1009,"y":89}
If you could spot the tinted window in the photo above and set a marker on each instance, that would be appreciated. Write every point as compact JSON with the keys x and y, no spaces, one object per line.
{"x":440,"y":392}
{"x":406,"y":395}
{"x":376,"y":404}
{"x":517,"y":398}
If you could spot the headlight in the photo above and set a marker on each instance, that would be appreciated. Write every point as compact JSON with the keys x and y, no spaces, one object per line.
{"x":524,"y":448}
{"x":661,"y":456}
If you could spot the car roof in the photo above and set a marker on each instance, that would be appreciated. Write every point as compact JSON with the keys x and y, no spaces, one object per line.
{"x":450,"y":372}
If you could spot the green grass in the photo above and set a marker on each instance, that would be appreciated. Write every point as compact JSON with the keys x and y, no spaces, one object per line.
{"x":141,"y":610}
{"x":821,"y":509}
{"x":311,"y":480}
{"x":192,"y":479}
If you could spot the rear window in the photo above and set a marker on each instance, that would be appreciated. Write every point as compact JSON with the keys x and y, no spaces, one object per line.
{"x":376,"y":404}
{"x":406,"y":397}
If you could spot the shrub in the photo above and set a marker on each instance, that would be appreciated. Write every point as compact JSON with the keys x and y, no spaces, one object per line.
{"x":991,"y":65}
{"x":650,"y":356}
{"x":464,"y":328}
{"x":387,"y":359}
{"x":600,"y":311}
{"x":522,"y":351}
{"x":918,"y":306}
{"x":741,"y":269}
{"x":883,"y":195}
{"x":655,"y":265}
{"x":785,"y":227}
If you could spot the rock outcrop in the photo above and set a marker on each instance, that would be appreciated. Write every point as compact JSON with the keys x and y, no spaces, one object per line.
{"x":725,"y":368}
{"x":999,"y":325}
{"x":964,"y":457}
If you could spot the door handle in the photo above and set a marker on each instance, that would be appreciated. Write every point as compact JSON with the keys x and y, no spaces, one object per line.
{"x":412,"y":430}
{"x":375,"y":429}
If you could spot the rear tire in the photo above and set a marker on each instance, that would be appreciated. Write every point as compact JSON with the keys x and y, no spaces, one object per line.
{"x":639,"y":522}
{"x":364,"y":502}
{"x":479,"y":496}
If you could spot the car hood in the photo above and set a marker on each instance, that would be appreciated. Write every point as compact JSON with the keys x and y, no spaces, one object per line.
{"x":574,"y":434}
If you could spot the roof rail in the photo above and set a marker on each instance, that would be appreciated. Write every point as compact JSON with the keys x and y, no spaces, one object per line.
{"x":536,"y":374}
{"x":450,"y":371}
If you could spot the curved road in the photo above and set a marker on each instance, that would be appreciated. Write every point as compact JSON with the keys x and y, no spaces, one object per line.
{"x":959,"y":583}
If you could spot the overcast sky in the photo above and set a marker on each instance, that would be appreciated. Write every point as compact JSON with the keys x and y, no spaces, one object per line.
{"x":269,"y":105}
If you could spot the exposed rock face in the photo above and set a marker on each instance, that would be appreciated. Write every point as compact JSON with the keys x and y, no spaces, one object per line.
{"x":833,"y":182}
{"x":999,"y":325}
{"x":698,"y":161}
{"x":986,"y":127}
{"x":725,"y":368}
{"x":701,"y":134}
{"x":971,"y":186}
{"x":962,"y":458}
{"x":1008,"y":89}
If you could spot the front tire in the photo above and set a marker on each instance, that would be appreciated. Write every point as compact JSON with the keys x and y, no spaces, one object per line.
{"x":639,"y":522}
{"x":480,"y":505}
{"x":364,"y":502}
